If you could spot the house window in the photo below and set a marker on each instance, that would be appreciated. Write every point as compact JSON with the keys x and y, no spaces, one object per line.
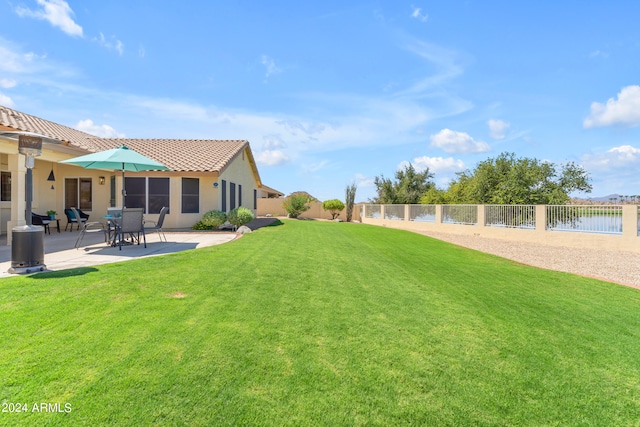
{"x":239,"y":194}
{"x":112,"y":191}
{"x":255,"y":199}
{"x":224,"y":196}
{"x":5,"y":186}
{"x":136,"y":189}
{"x":232,"y":195}
{"x":190,"y":195}
{"x":151,"y":194}
{"x":78,"y":193}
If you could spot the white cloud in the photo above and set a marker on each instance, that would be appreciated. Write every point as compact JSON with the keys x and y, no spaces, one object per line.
{"x":270,"y":65}
{"x":271,"y":157}
{"x":57,"y":12}
{"x":14,"y":61}
{"x":314,"y":167}
{"x":447,"y":64}
{"x":417,"y":14}
{"x":437,"y":164}
{"x":498,"y":128}
{"x":598,"y":54}
{"x":363,"y":181}
{"x":103,"y":131}
{"x":618,"y":157}
{"x":112,"y":44}
{"x":272,"y":142}
{"x":453,"y":141}
{"x":7,"y":83}
{"x":5,"y":100}
{"x":624,"y":111}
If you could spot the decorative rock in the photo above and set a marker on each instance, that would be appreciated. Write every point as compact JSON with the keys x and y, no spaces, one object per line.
{"x":243,"y":230}
{"x":337,"y":220}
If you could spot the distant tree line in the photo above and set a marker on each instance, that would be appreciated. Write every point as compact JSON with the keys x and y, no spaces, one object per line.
{"x":506,"y":179}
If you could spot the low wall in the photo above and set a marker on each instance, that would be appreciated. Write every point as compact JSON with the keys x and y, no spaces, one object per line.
{"x":274,"y":207}
{"x":628,"y":240}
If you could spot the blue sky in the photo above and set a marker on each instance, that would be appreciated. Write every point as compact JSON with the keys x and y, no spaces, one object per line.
{"x":334,"y":92}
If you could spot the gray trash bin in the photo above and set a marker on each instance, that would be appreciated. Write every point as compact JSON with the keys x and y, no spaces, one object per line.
{"x":27,"y":249}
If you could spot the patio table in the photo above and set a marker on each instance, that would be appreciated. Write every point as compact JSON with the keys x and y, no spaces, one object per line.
{"x":114,"y":235}
{"x":112,"y":229}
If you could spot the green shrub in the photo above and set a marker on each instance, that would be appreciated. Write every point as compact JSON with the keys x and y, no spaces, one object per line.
{"x":240,"y":216}
{"x":214,"y":219}
{"x":350,"y":196}
{"x":296,"y":204}
{"x":200,"y":226}
{"x":334,"y":206}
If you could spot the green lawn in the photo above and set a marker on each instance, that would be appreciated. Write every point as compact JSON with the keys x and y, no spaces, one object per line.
{"x":320,"y":323}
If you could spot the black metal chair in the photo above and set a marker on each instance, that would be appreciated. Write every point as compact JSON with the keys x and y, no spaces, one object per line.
{"x":73,"y":219}
{"x":42,"y":220}
{"x":157,"y":226}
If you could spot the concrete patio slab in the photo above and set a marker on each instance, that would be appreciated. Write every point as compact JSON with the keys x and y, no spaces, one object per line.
{"x":60,"y":254}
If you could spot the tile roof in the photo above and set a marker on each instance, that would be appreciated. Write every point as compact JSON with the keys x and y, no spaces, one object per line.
{"x":27,"y":123}
{"x":181,"y":155}
{"x":184,"y":155}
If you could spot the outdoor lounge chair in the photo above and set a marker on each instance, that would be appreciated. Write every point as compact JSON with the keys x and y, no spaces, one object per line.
{"x":42,"y":220}
{"x":72,"y":218}
{"x":88,"y":227}
{"x":157,"y":226}
{"x":131,"y":224}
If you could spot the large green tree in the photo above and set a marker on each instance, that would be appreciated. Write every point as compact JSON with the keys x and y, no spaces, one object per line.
{"x":407,"y":188}
{"x":507,"y":179}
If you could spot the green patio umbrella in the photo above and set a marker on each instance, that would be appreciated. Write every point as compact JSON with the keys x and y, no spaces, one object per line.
{"x":122,"y":159}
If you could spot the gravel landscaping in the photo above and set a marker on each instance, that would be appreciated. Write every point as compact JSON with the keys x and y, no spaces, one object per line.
{"x":614,"y":266}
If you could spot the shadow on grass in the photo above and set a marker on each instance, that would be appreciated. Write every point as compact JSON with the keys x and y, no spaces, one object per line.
{"x":63,"y":273}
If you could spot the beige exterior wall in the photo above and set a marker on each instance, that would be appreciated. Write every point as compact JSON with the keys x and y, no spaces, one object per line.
{"x":239,"y":172}
{"x":274,"y":207}
{"x":45,"y":198}
{"x":628,"y":241}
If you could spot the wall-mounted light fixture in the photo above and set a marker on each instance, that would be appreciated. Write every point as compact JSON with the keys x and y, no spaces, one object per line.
{"x":101,"y":180}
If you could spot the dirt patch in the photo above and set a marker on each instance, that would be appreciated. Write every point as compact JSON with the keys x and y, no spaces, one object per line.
{"x":178,"y":295}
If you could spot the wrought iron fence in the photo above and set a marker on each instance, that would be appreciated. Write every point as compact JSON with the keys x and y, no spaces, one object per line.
{"x":510,"y":216}
{"x":373,"y":211}
{"x":422,"y":213}
{"x":394,"y":212}
{"x":460,"y":214}
{"x":585,"y":218}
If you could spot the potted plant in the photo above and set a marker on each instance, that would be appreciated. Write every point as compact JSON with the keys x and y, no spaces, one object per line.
{"x":52,"y":214}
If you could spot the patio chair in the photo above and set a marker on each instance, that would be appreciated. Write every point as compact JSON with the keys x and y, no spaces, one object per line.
{"x":157,"y":226}
{"x":73,"y":219}
{"x":131,"y":224}
{"x":88,"y":227}
{"x":42,"y":220}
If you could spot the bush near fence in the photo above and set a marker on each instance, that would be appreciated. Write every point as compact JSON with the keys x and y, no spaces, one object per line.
{"x":274,"y":207}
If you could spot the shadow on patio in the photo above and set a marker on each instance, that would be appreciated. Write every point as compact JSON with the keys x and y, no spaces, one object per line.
{"x":59,"y":251}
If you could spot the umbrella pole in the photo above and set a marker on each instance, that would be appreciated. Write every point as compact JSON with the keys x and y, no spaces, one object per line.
{"x":124,"y":192}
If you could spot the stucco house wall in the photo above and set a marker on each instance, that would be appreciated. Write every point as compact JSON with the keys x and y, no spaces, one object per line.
{"x":210,"y":161}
